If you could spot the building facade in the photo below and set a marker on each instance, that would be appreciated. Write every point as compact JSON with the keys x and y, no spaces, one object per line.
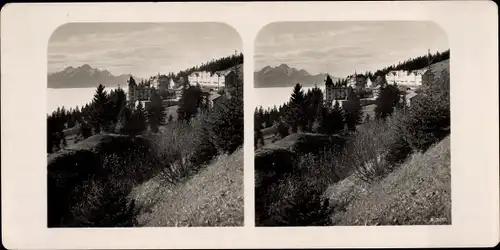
{"x":336,"y":93}
{"x":405,"y":78}
{"x":204,"y":78}
{"x":357,"y":81}
{"x":138,"y":93}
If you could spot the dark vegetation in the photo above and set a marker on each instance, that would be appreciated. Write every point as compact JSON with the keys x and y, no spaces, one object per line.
{"x":122,"y":144}
{"x":292,"y":176}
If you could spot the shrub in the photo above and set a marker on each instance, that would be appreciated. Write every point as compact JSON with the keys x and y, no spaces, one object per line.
{"x":104,"y":204}
{"x":291,"y":201}
{"x":282,"y":129}
{"x":225,"y":124}
{"x":428,"y":120}
{"x":174,"y":146}
{"x":304,"y":206}
{"x":101,"y":198}
{"x":204,"y":150}
{"x":296,"y":198}
{"x":366,"y":153}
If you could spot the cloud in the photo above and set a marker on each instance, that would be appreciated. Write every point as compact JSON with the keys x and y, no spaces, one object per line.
{"x":342,"y":47}
{"x":140,"y":48}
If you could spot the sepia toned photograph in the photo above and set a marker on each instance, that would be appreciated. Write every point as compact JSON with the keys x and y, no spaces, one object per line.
{"x":145,"y":125}
{"x":352,"y":124}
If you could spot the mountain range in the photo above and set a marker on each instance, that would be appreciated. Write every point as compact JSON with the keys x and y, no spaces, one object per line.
{"x":285,"y":76}
{"x":85,"y":77}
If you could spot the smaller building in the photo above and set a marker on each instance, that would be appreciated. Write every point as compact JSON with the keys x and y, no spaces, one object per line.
{"x":357,"y":81}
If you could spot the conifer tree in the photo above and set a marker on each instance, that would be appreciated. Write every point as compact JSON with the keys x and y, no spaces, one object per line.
{"x":314,"y":102}
{"x":189,"y":103}
{"x":140,"y":119}
{"x":337,"y":118}
{"x":117,"y":100}
{"x":99,"y":110}
{"x":226,"y":121}
{"x":156,"y":113}
{"x":296,"y":115}
{"x":387,"y":100}
{"x":353,"y":111}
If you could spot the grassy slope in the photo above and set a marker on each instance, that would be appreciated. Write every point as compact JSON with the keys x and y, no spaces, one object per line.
{"x":417,"y":193}
{"x":213,"y":197}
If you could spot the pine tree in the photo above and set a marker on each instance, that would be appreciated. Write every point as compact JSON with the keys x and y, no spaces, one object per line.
{"x":314,"y":102}
{"x":353,"y":111}
{"x":257,"y":120}
{"x":189,"y":103}
{"x":337,"y":118}
{"x":99,"y":110}
{"x":117,"y":100}
{"x":387,"y":100}
{"x":156,"y":113}
{"x":296,"y":115}
{"x":226,"y":121}
{"x":328,"y":80}
{"x":140,"y":119}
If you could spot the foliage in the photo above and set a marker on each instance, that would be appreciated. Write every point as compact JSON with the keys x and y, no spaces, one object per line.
{"x":225,"y":124}
{"x":353,"y":113}
{"x":133,"y":120}
{"x":313,"y":105}
{"x":296,"y":113}
{"x":100,"y":110}
{"x":387,"y":100}
{"x":156,"y":113}
{"x":190,"y":102}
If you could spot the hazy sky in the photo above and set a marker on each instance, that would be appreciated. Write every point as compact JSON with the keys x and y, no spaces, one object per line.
{"x":143,"y":49}
{"x":340,"y":48}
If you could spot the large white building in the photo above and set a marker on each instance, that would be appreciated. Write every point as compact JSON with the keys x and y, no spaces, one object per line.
{"x":405,"y":78}
{"x":207,"y":79}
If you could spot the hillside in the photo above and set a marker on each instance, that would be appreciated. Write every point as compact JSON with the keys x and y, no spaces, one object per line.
{"x":285,"y":76}
{"x":416,"y":193}
{"x":85,"y":77}
{"x":212,"y":197}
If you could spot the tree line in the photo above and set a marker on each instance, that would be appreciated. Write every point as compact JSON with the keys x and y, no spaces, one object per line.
{"x":212,"y":66}
{"x":412,"y":64}
{"x":107,"y":112}
{"x":309,"y":112}
{"x":110,"y":112}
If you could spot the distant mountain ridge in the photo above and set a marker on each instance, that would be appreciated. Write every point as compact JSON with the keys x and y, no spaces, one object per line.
{"x":85,"y":77}
{"x":285,"y":76}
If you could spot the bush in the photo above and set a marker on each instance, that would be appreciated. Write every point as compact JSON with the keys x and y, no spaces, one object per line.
{"x":225,"y":125}
{"x":204,"y":150}
{"x":304,"y":206}
{"x":100,"y":197}
{"x":282,"y":129}
{"x":428,"y":120}
{"x":296,"y":198}
{"x":292,"y":201}
{"x":174,"y":146}
{"x":104,"y":204}
{"x":366,"y":153}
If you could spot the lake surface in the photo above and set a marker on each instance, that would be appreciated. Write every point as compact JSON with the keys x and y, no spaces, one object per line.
{"x":268,"y":97}
{"x":71,"y":97}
